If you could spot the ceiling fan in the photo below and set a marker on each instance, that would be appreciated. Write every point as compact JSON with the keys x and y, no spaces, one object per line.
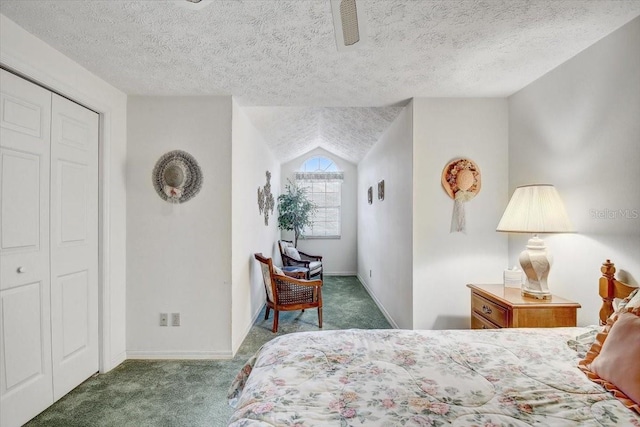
{"x":346,"y":22}
{"x":194,"y":4}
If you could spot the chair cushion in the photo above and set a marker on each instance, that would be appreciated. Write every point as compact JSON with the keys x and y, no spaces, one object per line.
{"x":315,"y":265}
{"x":293,"y":253}
{"x":278,"y":270}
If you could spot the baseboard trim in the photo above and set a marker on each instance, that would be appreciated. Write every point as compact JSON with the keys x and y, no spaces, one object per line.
{"x":340,"y":273}
{"x":378,"y":303}
{"x":217,"y":355}
{"x":178,"y":355}
{"x":118,"y":359}
{"x":246,"y":332}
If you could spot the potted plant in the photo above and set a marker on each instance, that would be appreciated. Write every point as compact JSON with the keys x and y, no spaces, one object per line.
{"x":295,"y":210}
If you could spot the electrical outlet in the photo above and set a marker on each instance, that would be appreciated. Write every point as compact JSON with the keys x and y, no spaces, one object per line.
{"x":175,"y":319}
{"x":164,"y":319}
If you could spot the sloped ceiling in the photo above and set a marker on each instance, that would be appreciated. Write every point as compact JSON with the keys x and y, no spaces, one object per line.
{"x":282,"y":53}
{"x":348,"y":132}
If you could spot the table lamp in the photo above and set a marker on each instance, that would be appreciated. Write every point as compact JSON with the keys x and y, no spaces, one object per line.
{"x":535,"y":209}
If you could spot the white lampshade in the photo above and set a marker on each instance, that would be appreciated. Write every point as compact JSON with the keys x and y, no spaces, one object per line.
{"x":535,"y":209}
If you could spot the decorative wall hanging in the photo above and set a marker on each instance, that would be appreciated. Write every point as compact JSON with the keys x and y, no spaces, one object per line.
{"x":461,"y":181}
{"x":266,"y":201}
{"x":370,"y":195}
{"x":381,"y":190}
{"x":177,"y":177}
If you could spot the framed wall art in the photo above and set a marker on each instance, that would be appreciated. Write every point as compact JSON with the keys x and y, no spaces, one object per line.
{"x":381,"y":190}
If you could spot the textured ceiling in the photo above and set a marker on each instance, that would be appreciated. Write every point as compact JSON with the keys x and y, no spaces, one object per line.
{"x":283,"y":53}
{"x":348,"y":132}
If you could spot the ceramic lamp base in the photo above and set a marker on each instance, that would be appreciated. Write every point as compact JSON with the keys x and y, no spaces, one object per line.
{"x":537,"y":295}
{"x":536,"y":263}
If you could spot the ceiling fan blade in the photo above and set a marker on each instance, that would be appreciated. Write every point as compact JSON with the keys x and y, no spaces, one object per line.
{"x":349,"y":18}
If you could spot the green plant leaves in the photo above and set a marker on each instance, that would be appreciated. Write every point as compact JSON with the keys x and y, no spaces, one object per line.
{"x":295,"y":210}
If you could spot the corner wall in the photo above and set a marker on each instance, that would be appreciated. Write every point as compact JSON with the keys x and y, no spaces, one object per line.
{"x":338,"y":255}
{"x":385,"y":227}
{"x":31,"y":57}
{"x":444,"y":263}
{"x":577,"y":127}
{"x":179,"y":258}
{"x":251,"y":158}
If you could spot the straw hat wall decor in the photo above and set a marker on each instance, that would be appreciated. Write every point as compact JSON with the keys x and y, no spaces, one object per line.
{"x":461,"y":180}
{"x":177,"y":177}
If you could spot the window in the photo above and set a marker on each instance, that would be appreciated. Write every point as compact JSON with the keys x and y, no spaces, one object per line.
{"x":322,"y":181}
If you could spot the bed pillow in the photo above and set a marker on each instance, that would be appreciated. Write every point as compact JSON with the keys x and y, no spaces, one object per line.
{"x":612,"y":360}
{"x":582,"y":343}
{"x":631,"y":301}
{"x":293,"y":253}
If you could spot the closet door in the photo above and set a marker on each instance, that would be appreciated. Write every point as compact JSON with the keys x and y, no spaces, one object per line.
{"x":25,"y":329}
{"x":74,"y":244}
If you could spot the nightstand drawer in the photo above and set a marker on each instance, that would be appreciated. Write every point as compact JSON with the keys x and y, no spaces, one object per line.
{"x":489,"y":310}
{"x":479,"y":322}
{"x":494,"y":306}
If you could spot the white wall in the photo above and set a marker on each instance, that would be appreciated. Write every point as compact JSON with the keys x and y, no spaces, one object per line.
{"x":385,"y":227}
{"x":29,"y":56}
{"x":178,"y":256}
{"x":339,"y":256}
{"x":443,"y":262}
{"x":251,"y":158}
{"x":578,"y":128}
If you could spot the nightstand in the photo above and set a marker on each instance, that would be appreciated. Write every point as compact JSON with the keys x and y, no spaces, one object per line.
{"x":494,"y":307}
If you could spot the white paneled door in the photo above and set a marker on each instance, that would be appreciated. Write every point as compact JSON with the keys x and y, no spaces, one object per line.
{"x":25,"y":323}
{"x":48,"y":247}
{"x":74,"y":244}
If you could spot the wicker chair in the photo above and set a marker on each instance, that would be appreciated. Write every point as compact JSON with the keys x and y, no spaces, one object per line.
{"x":286,"y":293}
{"x":312,"y":262}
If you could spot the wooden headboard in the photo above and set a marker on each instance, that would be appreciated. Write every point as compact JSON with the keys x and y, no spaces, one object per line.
{"x":611,"y":288}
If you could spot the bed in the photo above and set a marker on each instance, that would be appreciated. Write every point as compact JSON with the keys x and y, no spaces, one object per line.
{"x":516,"y":377}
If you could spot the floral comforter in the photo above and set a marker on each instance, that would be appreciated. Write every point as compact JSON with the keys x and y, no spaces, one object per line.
{"x":515,"y":377}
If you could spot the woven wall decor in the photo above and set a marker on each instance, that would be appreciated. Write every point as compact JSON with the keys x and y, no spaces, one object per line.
{"x":177,"y":177}
{"x":266,"y":202}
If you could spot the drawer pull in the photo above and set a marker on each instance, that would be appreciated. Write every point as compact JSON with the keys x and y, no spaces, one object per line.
{"x":484,"y":327}
{"x":21,"y":270}
{"x":486,"y":310}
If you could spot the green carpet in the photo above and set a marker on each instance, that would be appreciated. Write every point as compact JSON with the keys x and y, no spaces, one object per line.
{"x":193,"y":392}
